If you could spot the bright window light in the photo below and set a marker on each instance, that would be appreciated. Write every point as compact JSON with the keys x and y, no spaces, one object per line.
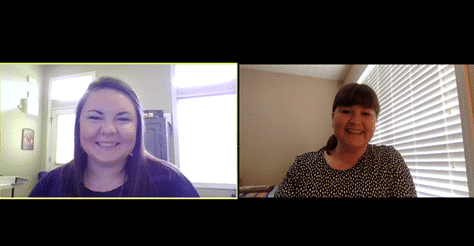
{"x":366,"y":72}
{"x":199,"y":75}
{"x":65,"y":138}
{"x":11,"y":94}
{"x":208,"y":138}
{"x":70,"y":89}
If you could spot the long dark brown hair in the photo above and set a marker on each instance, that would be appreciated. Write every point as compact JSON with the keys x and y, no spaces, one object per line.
{"x":138,"y":182}
{"x":348,"y":96}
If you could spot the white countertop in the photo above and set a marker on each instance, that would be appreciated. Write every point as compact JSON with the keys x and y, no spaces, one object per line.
{"x":8,"y":186}
{"x":5,"y":186}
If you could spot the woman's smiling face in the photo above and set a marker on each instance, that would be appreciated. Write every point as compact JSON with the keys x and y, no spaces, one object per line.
{"x":108,"y":126}
{"x":353,"y":126}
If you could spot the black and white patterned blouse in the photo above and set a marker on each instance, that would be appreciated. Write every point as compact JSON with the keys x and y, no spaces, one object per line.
{"x":380,"y":172}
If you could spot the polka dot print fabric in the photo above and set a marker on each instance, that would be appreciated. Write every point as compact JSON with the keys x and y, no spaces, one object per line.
{"x":380,"y":172}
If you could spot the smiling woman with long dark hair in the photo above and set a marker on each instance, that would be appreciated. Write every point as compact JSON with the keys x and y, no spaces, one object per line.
{"x":348,"y":166}
{"x":110,"y":159}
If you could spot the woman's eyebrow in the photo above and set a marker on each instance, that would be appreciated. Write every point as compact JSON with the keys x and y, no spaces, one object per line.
{"x":97,"y":111}
{"x":124,"y":113}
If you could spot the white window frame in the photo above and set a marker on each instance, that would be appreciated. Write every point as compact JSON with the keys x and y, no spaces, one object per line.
{"x":466,"y":108}
{"x":49,"y":132}
{"x":227,"y":88}
{"x":53,"y":136}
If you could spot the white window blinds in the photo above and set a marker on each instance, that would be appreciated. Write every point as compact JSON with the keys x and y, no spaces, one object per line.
{"x":420,"y":117}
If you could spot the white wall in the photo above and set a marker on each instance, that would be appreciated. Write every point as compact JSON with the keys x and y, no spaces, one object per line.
{"x":354,"y":73}
{"x":150,"y":82}
{"x":13,"y":160}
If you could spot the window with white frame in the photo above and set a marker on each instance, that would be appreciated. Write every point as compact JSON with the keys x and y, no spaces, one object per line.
{"x":420,"y":117}
{"x":207,"y":122}
{"x":65,"y":94}
{"x":63,"y":135}
{"x":71,"y":87}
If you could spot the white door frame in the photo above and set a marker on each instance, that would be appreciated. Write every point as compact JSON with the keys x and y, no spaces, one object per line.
{"x":51,"y":164}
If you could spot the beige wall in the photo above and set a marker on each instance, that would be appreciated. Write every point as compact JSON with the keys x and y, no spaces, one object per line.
{"x":281,"y":116}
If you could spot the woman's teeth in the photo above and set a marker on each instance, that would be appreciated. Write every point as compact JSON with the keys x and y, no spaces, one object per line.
{"x":354,"y":131}
{"x":106,"y":144}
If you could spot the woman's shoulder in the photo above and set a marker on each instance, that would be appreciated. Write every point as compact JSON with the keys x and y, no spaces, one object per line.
{"x":388,"y":155}
{"x":169,"y":178}
{"x":48,"y":186}
{"x":308,"y":160}
{"x":384,"y":150}
{"x":311,"y":156}
{"x":158,"y":167}
{"x":56,"y":174}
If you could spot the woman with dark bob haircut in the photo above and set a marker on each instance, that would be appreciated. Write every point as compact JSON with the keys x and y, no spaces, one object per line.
{"x":348,"y":166}
{"x":110,"y":159}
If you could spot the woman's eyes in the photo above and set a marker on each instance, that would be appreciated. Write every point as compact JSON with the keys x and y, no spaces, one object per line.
{"x":99,"y":118}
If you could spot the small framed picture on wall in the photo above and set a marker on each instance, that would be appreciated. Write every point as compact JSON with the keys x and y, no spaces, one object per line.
{"x":27,"y":139}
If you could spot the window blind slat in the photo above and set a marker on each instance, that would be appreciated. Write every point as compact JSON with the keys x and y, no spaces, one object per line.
{"x":446,"y":185}
{"x":419,"y":127}
{"x":420,"y":117}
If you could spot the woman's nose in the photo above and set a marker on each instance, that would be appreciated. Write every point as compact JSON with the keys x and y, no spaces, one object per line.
{"x":355,"y":118}
{"x":108,"y":128}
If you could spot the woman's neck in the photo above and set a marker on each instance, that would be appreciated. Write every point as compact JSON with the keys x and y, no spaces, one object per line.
{"x":100,"y":177}
{"x":346,"y":157}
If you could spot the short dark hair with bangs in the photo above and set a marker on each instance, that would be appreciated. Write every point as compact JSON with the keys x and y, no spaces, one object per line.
{"x":357,"y":94}
{"x":351,"y":95}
